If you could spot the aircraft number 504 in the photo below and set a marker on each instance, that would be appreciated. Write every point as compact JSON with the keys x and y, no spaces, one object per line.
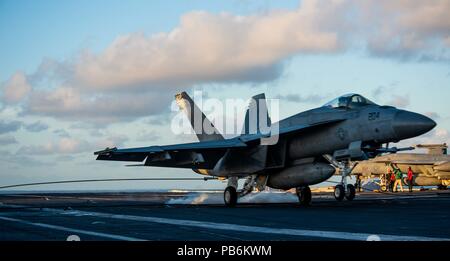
{"x":374,"y":115}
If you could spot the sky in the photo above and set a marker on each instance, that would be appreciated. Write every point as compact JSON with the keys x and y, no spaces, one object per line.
{"x":79,"y":76}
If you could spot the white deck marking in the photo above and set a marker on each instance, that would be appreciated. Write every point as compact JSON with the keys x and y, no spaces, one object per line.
{"x":72,"y":230}
{"x":228,"y":227}
{"x":251,"y":229}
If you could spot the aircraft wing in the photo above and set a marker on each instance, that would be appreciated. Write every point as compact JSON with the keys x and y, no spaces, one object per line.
{"x":200,"y":155}
{"x":187,"y":155}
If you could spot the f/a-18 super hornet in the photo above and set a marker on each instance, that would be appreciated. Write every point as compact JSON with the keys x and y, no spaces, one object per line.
{"x":309,"y":143}
{"x":430,"y":169}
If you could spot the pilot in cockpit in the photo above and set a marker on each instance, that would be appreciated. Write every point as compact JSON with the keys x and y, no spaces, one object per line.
{"x":342,"y":101}
{"x":349,"y":101}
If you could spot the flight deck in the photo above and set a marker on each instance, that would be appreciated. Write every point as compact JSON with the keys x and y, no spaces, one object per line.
{"x":189,"y":215}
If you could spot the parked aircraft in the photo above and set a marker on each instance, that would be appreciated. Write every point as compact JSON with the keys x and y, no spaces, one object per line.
{"x":430,"y":169}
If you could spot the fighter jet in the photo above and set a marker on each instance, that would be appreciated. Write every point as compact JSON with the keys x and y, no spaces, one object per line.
{"x":345,"y":129}
{"x":430,"y":169}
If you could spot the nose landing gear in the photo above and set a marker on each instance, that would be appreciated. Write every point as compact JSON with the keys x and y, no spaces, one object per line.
{"x":350,"y":192}
{"x":339,"y":192}
{"x":343,"y":190}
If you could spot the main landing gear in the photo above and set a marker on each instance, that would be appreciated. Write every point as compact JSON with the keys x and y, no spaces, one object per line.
{"x":230,"y":195}
{"x":304,"y":195}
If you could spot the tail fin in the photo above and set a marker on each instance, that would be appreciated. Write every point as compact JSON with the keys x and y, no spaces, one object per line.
{"x":257,"y":118}
{"x":203,"y":128}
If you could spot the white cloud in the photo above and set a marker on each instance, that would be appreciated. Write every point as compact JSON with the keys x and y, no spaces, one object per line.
{"x":137,"y":75}
{"x":62,"y":146}
{"x":442,"y":134}
{"x":435,"y":136}
{"x":208,"y":47}
{"x":433,"y":115}
{"x":61,"y":133}
{"x":9,"y":158}
{"x":447,"y":41}
{"x":314,"y":98}
{"x":13,"y":126}
{"x":70,"y":146}
{"x":9,"y":126}
{"x":16,"y":88}
{"x":7,"y":140}
{"x":112,"y":141}
{"x":148,"y":136}
{"x":400,"y":101}
{"x":36,"y":126}
{"x":70,"y":103}
{"x":406,"y":28}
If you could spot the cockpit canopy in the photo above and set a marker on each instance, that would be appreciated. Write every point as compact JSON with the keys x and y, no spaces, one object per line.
{"x":351,"y":100}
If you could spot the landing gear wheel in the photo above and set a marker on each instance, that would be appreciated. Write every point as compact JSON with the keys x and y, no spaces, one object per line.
{"x":350,"y":192}
{"x":339,"y":192}
{"x":230,"y":196}
{"x":304,"y":195}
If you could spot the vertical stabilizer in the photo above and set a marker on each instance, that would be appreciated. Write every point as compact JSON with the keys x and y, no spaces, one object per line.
{"x":257,"y":118}
{"x":202,"y":126}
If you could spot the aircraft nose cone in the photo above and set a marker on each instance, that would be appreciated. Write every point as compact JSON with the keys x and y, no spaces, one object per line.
{"x":409,"y":124}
